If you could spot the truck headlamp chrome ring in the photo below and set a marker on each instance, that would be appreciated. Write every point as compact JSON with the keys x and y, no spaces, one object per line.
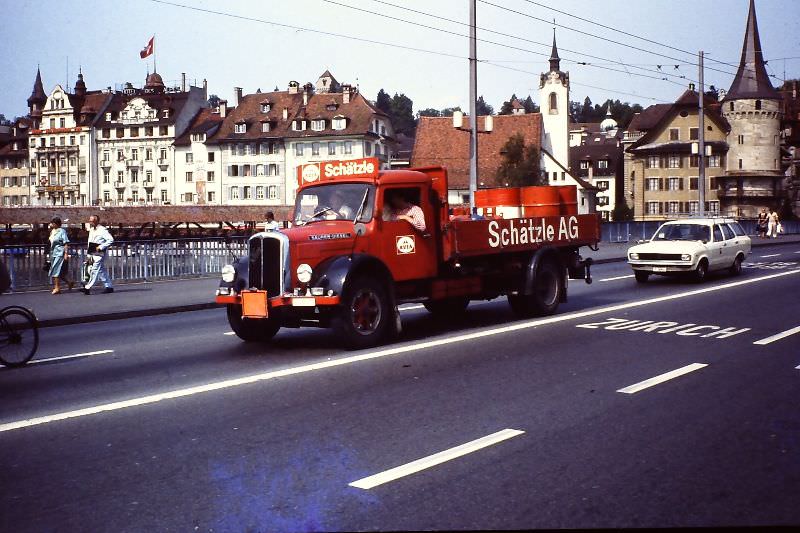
{"x":304,"y":273}
{"x":228,"y":273}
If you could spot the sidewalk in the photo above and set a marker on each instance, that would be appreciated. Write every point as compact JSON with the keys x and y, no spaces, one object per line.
{"x":156,"y":298}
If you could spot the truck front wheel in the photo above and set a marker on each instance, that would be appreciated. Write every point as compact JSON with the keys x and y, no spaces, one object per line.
{"x":365,"y":316}
{"x":546,"y":295}
{"x":248,"y":329}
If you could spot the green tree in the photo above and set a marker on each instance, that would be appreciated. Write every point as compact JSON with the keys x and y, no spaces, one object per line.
{"x":622,"y":212}
{"x":482,"y":108}
{"x":448,"y":111}
{"x":384,"y":102}
{"x":530,"y":106}
{"x":520,"y":165}
{"x":213,"y":101}
{"x":402,"y":114}
{"x":429,"y":112}
{"x":506,"y":108}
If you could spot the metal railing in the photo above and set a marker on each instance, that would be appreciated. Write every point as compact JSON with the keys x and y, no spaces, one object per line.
{"x":128,"y":260}
{"x":612,"y":232}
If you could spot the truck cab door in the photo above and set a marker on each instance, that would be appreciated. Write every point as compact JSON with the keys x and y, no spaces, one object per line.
{"x":408,"y":252}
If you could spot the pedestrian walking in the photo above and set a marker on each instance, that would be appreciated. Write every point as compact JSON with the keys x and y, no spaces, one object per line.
{"x":271,"y":224}
{"x":99,"y":241}
{"x":58,"y":254}
{"x":773,"y":224}
{"x":763,"y":218}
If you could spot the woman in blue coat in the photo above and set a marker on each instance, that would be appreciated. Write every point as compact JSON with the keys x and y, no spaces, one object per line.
{"x":58,"y":252}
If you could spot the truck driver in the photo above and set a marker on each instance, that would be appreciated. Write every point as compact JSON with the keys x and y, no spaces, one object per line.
{"x":338,"y":208}
{"x":399,"y":208}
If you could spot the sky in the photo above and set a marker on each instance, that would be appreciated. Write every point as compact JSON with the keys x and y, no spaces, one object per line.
{"x":429,"y":59}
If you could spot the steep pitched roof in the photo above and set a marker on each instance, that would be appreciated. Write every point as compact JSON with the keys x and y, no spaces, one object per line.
{"x":174,"y":102}
{"x":37,"y":94}
{"x":751,"y":79}
{"x":205,"y":121}
{"x":648,"y":118}
{"x":439,"y":144}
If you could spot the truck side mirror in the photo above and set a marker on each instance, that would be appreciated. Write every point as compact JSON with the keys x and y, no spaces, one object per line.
{"x":360,"y":228}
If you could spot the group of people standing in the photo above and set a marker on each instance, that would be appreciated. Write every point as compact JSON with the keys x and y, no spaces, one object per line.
{"x":769,"y":224}
{"x":98,"y":242}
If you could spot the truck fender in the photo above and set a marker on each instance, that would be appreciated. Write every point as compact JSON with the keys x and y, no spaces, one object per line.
{"x":541,"y":255}
{"x":336,"y":272}
{"x":240,"y":282}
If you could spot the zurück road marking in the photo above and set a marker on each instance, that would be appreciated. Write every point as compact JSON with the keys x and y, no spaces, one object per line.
{"x":433,"y":460}
{"x":646,"y":384}
{"x":64,"y":357}
{"x":618,"y":277}
{"x":387,"y":352}
{"x":779,"y":336}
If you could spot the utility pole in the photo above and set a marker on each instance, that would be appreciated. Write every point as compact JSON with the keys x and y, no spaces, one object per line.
{"x":701,"y":152}
{"x":473,"y":115}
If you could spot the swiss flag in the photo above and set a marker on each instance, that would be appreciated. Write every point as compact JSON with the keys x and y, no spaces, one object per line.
{"x":147,"y":50}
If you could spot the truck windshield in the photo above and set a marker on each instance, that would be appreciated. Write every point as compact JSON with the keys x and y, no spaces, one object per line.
{"x":335,"y":201}
{"x":682,"y":232}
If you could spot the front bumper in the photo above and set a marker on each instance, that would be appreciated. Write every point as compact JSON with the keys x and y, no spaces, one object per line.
{"x":662,"y":267}
{"x":257,"y":304}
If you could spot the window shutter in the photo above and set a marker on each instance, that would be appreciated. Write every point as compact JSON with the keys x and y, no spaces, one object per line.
{"x":680,"y":161}
{"x":680,"y":184}
{"x":660,"y":208}
{"x":660,"y":184}
{"x":663,"y":161}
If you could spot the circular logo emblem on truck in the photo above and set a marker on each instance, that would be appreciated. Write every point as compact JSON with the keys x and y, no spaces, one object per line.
{"x":405,"y":245}
{"x":310,"y":173}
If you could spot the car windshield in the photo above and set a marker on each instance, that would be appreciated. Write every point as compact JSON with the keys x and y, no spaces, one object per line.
{"x":335,"y":201}
{"x":682,"y":232}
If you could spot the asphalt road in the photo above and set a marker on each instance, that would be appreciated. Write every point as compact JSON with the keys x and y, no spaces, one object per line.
{"x":174,"y":425}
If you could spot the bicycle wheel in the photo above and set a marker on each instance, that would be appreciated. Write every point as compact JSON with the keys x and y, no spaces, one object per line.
{"x":19,"y":336}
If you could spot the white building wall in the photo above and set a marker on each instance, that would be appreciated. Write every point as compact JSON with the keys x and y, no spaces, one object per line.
{"x":205,"y":186}
{"x":253,"y":173}
{"x":555,"y":120}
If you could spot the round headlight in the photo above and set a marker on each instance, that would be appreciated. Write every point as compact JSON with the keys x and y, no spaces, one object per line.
{"x":228,"y":273}
{"x":634,"y":256}
{"x":686,"y":257}
{"x":304,"y":273}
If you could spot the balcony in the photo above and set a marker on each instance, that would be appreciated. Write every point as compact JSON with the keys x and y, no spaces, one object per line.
{"x":148,"y":184}
{"x":105,"y":163}
{"x":119,"y":184}
{"x":163,"y":164}
{"x":131,"y":163}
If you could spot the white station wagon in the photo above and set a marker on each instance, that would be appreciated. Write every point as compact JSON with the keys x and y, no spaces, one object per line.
{"x":691,"y":246}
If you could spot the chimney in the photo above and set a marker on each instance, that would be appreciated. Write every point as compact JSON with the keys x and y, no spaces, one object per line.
{"x":285,"y":113}
{"x":223,"y":108}
{"x":205,"y":89}
{"x":183,"y":82}
{"x":305,"y":96}
{"x":293,"y":85}
{"x":238,"y":98}
{"x":346,"y":93}
{"x":691,"y":86}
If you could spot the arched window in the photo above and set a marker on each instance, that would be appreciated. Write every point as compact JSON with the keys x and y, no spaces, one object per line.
{"x":758,"y":105}
{"x":553,"y":103}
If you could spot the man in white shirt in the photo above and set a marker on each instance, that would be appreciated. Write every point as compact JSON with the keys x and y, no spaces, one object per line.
{"x":271,"y":224}
{"x":99,"y":241}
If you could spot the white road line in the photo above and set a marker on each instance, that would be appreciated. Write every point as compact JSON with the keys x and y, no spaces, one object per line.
{"x":770,"y":255}
{"x":779,"y":336}
{"x":74,"y":356}
{"x":415,"y":306}
{"x":435,"y":459}
{"x":387,"y":352}
{"x":798,"y":252}
{"x":618,"y":277}
{"x":229,"y":333}
{"x":646,"y":384}
{"x":797,"y":367}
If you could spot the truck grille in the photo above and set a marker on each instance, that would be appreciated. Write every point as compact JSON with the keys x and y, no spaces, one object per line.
{"x":265,"y":265}
{"x":660,"y":257}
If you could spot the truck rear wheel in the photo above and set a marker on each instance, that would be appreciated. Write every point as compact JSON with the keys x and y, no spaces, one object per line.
{"x":448,"y":306}
{"x":249,"y":329}
{"x":547,"y":293}
{"x":365,"y":316}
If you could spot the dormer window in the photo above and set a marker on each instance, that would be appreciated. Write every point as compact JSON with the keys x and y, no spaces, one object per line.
{"x":265,"y":127}
{"x":124,"y":115}
{"x":265,"y":108}
{"x":108,"y":116}
{"x":240,"y":127}
{"x":331,"y":107}
{"x":166,"y":113}
{"x":318,"y":125}
{"x":299,"y":125}
{"x":339,"y":123}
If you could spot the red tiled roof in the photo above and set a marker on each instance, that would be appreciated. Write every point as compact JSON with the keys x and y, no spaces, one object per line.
{"x":439,"y":144}
{"x":203,"y":122}
{"x":649,"y":117}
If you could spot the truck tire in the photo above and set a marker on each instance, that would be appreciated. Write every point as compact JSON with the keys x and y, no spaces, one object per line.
{"x":447,"y":306}
{"x":365,"y":318}
{"x":547,"y":289}
{"x":248,"y":329}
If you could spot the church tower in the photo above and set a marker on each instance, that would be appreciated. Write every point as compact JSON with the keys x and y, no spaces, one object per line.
{"x":554,"y":103}
{"x":752,"y":107}
{"x":37,"y":100}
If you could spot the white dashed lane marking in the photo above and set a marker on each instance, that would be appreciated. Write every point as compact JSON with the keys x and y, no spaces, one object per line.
{"x":769,"y":255}
{"x":646,"y":384}
{"x":618,"y":277}
{"x":777,"y":337}
{"x":435,"y":459}
{"x":65,"y":357}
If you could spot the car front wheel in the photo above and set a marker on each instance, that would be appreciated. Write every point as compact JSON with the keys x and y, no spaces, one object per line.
{"x":701,"y":271}
{"x":641,"y":276}
{"x":736,"y":268}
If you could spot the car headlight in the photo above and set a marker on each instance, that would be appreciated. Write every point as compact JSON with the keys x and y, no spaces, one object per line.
{"x":304,"y":273}
{"x":686,"y":257}
{"x":633,"y":256}
{"x":228,"y":273}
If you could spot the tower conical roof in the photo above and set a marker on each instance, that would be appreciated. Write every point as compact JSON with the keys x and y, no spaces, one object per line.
{"x":555,"y":61}
{"x":37,"y":95}
{"x":80,"y":85}
{"x":751,"y":79}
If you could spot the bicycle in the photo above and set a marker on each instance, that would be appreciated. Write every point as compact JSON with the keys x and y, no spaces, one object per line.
{"x":19,"y":335}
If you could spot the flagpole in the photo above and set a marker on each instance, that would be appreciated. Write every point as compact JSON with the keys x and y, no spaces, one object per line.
{"x":154,"y":53}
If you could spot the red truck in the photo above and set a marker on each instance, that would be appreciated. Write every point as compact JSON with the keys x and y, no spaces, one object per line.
{"x":349,"y":261}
